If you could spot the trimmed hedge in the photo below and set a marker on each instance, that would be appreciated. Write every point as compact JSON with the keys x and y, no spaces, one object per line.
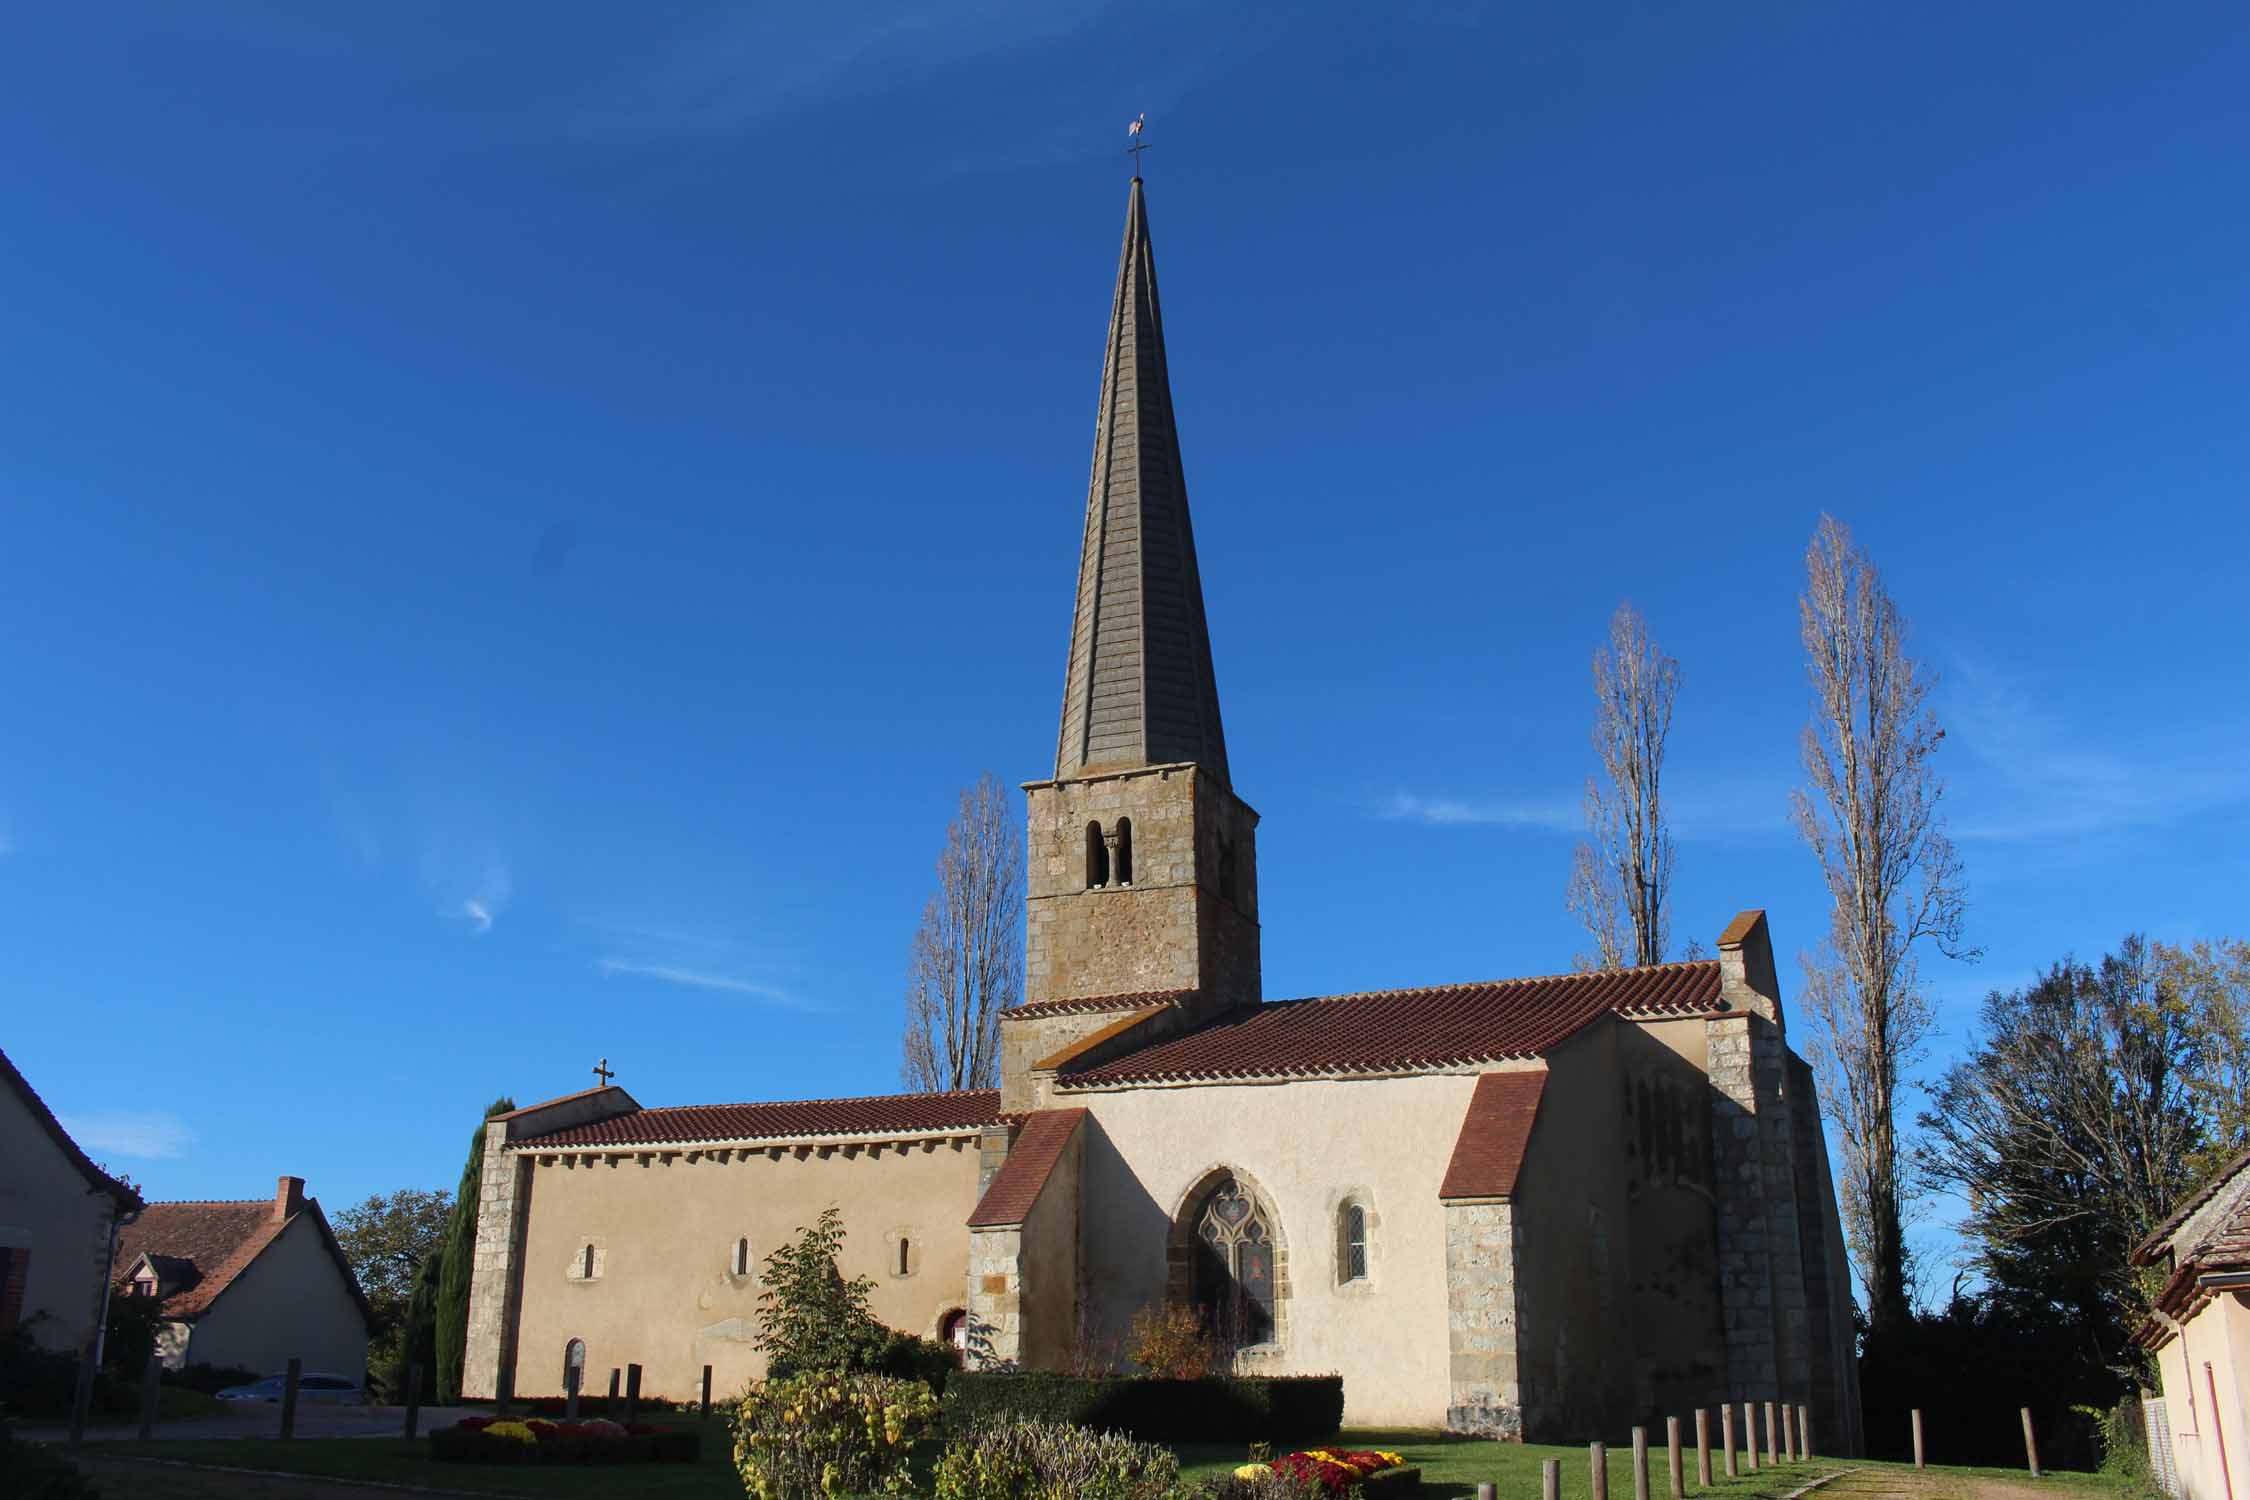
{"x":1393,"y":1484}
{"x":465,"y":1445}
{"x":1280,"y":1409}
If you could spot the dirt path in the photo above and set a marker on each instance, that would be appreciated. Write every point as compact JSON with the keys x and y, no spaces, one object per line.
{"x":1906,"y":1484}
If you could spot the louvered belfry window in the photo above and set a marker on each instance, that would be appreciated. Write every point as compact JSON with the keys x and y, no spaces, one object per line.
{"x":1234,"y":1265}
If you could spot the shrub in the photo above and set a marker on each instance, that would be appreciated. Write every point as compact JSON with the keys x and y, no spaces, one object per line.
{"x":829,"y":1433}
{"x":1169,"y":1342}
{"x":35,"y":1381}
{"x":809,"y":1316}
{"x":1243,"y":1409}
{"x":901,"y":1356}
{"x":1005,"y":1459}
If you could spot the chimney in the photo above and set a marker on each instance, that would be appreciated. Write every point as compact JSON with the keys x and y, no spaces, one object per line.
{"x":1746,"y":974}
{"x":288,"y":1198}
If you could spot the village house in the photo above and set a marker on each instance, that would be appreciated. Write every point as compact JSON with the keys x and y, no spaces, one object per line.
{"x":58,"y":1216}
{"x":2200,"y":1335}
{"x":1543,"y":1208}
{"x":248,"y":1284}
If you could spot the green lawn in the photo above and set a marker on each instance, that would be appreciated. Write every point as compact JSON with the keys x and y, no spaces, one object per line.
{"x":1450,"y":1467}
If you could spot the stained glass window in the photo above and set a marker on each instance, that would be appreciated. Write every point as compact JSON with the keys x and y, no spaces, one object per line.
{"x":1234,"y":1265}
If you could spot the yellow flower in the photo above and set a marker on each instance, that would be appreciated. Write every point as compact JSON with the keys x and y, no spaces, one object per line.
{"x":516,"y":1430}
{"x":1253,"y":1471}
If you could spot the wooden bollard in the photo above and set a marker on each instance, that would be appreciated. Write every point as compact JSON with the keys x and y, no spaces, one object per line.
{"x":1703,"y":1447}
{"x":706,"y":1390}
{"x":632,"y":1393}
{"x":1487,"y":1490}
{"x":2030,"y":1443}
{"x":1674,"y":1471}
{"x":151,"y":1378}
{"x":1750,"y":1433}
{"x":1917,"y":1437}
{"x":1804,"y":1430}
{"x":1640,"y":1463}
{"x":573,"y":1376}
{"x":413,"y":1399}
{"x":1726,"y":1436}
{"x":504,"y":1390}
{"x":1597,"y":1461}
{"x":1550,"y":1479}
{"x":1773,"y":1436}
{"x":1788,"y":1433}
{"x":289,"y":1380}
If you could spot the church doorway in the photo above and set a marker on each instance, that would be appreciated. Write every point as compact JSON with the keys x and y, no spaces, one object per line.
{"x":574,"y":1358}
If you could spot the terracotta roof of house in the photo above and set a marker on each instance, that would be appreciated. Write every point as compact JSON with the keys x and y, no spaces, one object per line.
{"x":1495,"y":1133}
{"x":217,"y":1241}
{"x":1088,"y":1004}
{"x":2156,"y":1240}
{"x":1017,"y":1185}
{"x":1404,"y":1030}
{"x":96,"y":1178}
{"x":689,"y":1124}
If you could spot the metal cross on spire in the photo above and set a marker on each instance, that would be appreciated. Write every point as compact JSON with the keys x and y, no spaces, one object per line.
{"x":1140,"y":143}
{"x":602,"y":1072}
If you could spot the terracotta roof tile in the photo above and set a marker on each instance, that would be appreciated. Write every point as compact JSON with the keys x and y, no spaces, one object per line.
{"x":1086,"y":1004}
{"x":1495,"y":1133}
{"x":1404,"y":1030}
{"x":96,"y":1178}
{"x":879,"y":1115}
{"x":1018,"y":1183}
{"x":2156,"y":1241}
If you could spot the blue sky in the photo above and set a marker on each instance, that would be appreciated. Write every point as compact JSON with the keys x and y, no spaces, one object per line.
{"x":515,"y":523}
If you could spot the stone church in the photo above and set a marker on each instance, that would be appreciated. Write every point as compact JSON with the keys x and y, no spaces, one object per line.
{"x":1547,"y":1208}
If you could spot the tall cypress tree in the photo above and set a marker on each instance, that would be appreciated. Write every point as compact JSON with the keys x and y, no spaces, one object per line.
{"x":460,"y":1258}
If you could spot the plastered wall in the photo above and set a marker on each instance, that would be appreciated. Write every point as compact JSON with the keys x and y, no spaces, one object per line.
{"x":291,"y":1302}
{"x":45,"y":1209}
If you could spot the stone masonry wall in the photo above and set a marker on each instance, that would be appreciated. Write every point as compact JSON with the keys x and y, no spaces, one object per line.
{"x":1739,"y":1206}
{"x":995,"y":1298}
{"x":503,"y":1195}
{"x":1482,"y":1325}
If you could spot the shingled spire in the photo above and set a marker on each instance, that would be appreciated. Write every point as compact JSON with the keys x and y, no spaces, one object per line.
{"x":1139,"y":690}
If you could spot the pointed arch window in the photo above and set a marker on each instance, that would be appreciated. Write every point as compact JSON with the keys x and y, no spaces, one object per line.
{"x":1097,"y":858}
{"x":1234,"y":1265}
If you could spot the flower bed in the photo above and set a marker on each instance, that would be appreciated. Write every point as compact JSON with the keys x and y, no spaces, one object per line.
{"x":1339,"y":1471}
{"x":490,"y":1440}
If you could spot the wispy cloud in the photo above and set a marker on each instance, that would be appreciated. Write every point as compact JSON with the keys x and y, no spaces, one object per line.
{"x":476,"y":888}
{"x":2031,"y":773}
{"x":479,"y":913}
{"x":147,"y":1135}
{"x":1449,"y":812}
{"x":698,"y":979}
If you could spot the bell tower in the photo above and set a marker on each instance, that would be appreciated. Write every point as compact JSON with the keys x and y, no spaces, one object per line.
{"x":1143,"y":863}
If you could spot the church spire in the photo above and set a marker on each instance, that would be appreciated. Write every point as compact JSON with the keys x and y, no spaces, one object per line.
{"x":1139,"y":691}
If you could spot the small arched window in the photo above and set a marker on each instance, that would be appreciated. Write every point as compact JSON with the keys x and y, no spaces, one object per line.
{"x":1097,"y":858}
{"x":1351,"y":1243}
{"x":1124,"y":851}
{"x":574,"y":1364}
{"x":586,"y":1263}
{"x":742,"y":1256}
{"x":904,"y":1247}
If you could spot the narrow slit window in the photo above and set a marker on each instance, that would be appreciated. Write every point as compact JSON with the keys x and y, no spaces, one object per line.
{"x":1097,"y":858}
{"x":904,"y":1245}
{"x":742,"y":1256}
{"x":586,"y":1263}
{"x":1124,"y":851}
{"x":1355,"y":1242}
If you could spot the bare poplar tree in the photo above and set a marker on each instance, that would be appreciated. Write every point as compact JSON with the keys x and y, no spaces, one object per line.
{"x":1872,"y":818}
{"x":1621,"y":876}
{"x":967,"y":963}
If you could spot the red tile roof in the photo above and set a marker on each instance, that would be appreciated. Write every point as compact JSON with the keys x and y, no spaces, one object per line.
{"x":96,"y":1178}
{"x":2158,"y":1239}
{"x":1017,"y":1185}
{"x":690,"y":1124}
{"x":218,"y":1240}
{"x":1404,"y":1030}
{"x":1089,"y":1003}
{"x":1495,"y":1133}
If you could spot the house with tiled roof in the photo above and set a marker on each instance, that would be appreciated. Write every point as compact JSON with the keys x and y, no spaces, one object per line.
{"x":1540,"y":1208}
{"x":59,"y":1213}
{"x":247,"y":1283}
{"x":2199,"y":1334}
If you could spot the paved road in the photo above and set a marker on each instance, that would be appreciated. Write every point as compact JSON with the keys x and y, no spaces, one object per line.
{"x":250,"y":1419}
{"x":147,"y":1481}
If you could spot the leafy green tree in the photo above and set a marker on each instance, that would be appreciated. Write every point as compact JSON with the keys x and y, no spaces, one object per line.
{"x":2070,"y":1129}
{"x":2213,"y":980}
{"x":810,"y":1317}
{"x":460,"y":1257}
{"x":386,"y":1239}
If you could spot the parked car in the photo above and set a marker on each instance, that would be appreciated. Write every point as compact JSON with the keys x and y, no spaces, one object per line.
{"x":337,"y":1389}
